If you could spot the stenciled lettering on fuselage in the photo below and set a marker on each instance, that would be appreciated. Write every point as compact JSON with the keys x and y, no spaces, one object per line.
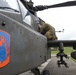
{"x":4,"y":48}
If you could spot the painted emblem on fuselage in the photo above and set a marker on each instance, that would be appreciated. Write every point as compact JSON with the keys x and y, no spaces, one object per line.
{"x":4,"y":48}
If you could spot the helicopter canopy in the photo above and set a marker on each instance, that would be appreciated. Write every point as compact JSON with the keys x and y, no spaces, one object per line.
{"x":7,"y":4}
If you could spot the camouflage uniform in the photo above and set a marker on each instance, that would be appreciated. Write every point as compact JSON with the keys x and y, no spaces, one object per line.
{"x":48,"y":31}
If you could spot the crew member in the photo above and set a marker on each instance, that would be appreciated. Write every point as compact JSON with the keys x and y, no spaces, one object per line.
{"x":47,"y":30}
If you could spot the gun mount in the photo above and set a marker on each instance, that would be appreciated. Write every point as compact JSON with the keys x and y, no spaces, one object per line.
{"x":67,"y":43}
{"x":61,"y":44}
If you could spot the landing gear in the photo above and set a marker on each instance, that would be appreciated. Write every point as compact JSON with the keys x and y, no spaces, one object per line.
{"x":35,"y":71}
{"x":73,"y":55}
{"x":61,"y":54}
{"x":45,"y":72}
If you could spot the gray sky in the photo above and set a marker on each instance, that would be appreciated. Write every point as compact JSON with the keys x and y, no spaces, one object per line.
{"x":60,"y":18}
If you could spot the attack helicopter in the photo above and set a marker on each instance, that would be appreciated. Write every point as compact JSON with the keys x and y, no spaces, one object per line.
{"x":22,"y":47}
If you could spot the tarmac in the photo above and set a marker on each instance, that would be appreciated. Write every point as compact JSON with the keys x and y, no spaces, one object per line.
{"x":52,"y":67}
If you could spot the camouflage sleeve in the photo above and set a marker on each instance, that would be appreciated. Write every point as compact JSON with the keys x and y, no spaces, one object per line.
{"x":42,"y":28}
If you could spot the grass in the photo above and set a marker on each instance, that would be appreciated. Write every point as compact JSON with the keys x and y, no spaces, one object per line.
{"x":67,"y":50}
{"x":73,"y":59}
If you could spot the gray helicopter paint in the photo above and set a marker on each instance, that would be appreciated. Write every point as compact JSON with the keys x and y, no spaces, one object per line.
{"x":14,"y":15}
{"x":28,"y":48}
{"x":28,"y":19}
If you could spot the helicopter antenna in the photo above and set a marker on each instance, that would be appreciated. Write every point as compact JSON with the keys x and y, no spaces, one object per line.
{"x":60,"y":31}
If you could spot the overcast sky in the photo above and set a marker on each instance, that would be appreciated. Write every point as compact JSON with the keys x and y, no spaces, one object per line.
{"x":60,"y":18}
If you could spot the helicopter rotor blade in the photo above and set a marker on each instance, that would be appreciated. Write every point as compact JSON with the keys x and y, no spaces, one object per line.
{"x":65,"y":4}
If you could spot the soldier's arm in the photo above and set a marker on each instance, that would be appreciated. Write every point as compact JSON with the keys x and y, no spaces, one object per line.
{"x":42,"y":28}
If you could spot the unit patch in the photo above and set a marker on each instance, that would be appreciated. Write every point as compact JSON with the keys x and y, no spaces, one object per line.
{"x":4,"y":48}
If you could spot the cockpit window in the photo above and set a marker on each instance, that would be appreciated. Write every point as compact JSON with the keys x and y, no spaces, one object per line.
{"x":9,"y":5}
{"x":25,"y":14}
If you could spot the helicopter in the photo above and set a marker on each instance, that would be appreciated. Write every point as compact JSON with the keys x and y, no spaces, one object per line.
{"x":22,"y":47}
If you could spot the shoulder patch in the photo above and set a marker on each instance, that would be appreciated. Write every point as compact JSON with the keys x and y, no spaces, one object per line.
{"x":4,"y":48}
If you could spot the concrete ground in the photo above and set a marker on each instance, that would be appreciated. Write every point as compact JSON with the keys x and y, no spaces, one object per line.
{"x":53,"y":68}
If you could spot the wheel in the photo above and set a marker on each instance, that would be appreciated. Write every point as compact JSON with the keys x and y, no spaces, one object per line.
{"x":45,"y":72}
{"x":35,"y":71}
{"x":73,"y":55}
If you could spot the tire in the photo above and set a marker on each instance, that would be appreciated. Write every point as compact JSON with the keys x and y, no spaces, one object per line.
{"x":45,"y":72}
{"x":73,"y":55}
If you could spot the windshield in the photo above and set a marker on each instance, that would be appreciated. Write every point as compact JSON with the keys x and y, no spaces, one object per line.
{"x":9,"y":4}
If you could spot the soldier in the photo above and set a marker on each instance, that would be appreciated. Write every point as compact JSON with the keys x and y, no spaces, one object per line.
{"x":47,"y":30}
